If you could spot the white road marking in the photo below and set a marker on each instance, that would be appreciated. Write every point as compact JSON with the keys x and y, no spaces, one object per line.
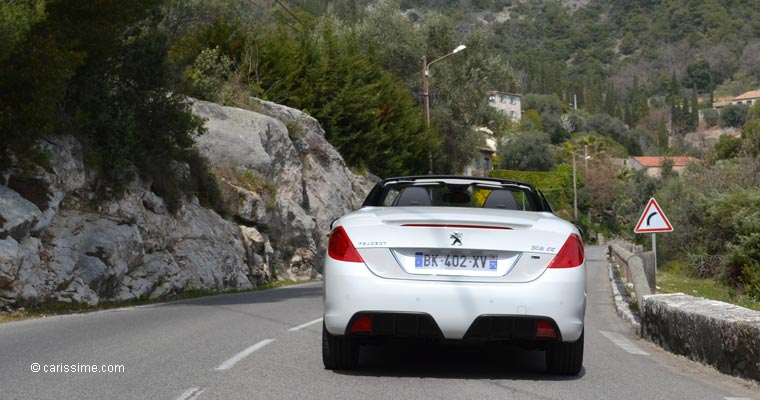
{"x":243,"y":354}
{"x":191,"y":394}
{"x":737,"y":398}
{"x":299,"y":327}
{"x":623,"y":343}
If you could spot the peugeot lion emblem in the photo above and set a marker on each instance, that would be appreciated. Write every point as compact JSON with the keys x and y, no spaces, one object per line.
{"x":456,"y":238}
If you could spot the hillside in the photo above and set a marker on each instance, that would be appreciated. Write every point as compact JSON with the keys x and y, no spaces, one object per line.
{"x":597,"y":79}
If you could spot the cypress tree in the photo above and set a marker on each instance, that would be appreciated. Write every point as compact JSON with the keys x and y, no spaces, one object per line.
{"x":674,"y":87}
{"x":609,"y":99}
{"x":662,"y":136}
{"x":675,"y":116}
{"x":694,"y":111}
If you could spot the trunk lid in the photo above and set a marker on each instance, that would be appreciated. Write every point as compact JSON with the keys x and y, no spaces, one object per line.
{"x":456,"y":244}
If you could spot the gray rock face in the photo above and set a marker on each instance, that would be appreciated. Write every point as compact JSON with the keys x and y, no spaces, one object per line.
{"x":288,"y":149}
{"x":18,"y":214}
{"x":712,"y":332}
{"x":54,"y":245}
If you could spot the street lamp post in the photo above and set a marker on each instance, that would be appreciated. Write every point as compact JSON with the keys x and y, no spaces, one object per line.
{"x":426,"y":94}
{"x":575,"y":189}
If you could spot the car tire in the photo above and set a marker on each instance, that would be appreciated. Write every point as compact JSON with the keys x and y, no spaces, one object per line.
{"x":339,"y":352}
{"x":565,"y":358}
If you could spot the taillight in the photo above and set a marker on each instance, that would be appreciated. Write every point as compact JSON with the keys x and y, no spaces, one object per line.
{"x":545,"y":330}
{"x":570,"y":255}
{"x":362,"y":324}
{"x":340,"y":247}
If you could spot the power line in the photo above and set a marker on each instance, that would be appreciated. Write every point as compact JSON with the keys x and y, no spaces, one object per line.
{"x":286,"y":23}
{"x":290,"y":12}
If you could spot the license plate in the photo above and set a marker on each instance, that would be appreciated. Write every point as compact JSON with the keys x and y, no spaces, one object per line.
{"x":455,"y":262}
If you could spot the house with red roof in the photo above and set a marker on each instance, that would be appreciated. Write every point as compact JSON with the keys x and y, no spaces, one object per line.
{"x":748,"y":98}
{"x":653,"y":165}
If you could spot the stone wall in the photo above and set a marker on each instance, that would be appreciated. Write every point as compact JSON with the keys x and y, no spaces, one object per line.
{"x":711,"y":332}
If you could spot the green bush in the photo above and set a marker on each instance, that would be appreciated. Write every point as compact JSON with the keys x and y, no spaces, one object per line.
{"x":711,"y":116}
{"x":715,"y":211}
{"x":531,"y":151}
{"x":557,"y":185}
{"x":207,"y":74}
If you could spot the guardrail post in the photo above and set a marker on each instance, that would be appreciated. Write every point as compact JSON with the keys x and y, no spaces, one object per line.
{"x":650,"y":269}
{"x":635,"y":268}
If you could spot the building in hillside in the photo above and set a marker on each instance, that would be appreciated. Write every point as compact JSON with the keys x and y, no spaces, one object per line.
{"x":483,"y":162}
{"x":748,"y":98}
{"x":506,"y":103}
{"x":653,"y":165}
{"x":718,"y":104}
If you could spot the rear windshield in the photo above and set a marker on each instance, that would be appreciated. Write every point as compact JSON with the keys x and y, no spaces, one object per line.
{"x":457,"y":195}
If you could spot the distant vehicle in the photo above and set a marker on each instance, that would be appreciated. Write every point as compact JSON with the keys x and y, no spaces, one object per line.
{"x":450,"y":258}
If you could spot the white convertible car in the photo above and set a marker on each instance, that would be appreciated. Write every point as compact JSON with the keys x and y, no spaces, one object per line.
{"x":455,"y":259}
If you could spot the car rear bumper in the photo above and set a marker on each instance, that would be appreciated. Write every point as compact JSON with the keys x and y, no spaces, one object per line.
{"x":558,"y":295}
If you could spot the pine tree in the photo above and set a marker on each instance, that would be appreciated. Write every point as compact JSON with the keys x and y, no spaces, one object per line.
{"x":685,"y":117}
{"x":675,"y":116}
{"x":673,"y":88}
{"x":609,"y":99}
{"x":662,"y":136}
{"x":694,"y":120}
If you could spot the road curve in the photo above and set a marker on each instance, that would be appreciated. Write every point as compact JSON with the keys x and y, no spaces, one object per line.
{"x":266,"y":345}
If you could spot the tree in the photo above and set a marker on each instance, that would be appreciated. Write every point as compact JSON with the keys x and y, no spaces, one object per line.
{"x":694,"y":115}
{"x":529,"y":151}
{"x":666,"y":170}
{"x":699,"y":75}
{"x":723,"y":62}
{"x":365,"y":111}
{"x":674,"y":87}
{"x":459,"y":103}
{"x":754,"y":112}
{"x":733,"y":116}
{"x":16,"y":20}
{"x":550,"y":110}
{"x":393,"y":40}
{"x":531,"y":121}
{"x":662,"y":136}
{"x":100,"y":74}
{"x":751,"y":137}
{"x":686,"y":121}
{"x":628,"y":44}
{"x":750,"y":60}
{"x":615,"y":128}
{"x":726,"y":148}
{"x":457,"y":85}
{"x":710,"y":116}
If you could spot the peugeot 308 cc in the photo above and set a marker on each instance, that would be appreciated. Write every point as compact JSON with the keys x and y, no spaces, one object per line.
{"x":449,"y":258}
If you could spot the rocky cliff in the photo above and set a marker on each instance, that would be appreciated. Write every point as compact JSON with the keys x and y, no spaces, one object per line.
{"x":58,"y":243}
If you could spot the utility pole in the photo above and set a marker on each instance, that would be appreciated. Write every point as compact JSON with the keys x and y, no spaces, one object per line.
{"x":426,"y":94}
{"x":426,"y":101}
{"x":586,"y":157}
{"x":575,"y":194}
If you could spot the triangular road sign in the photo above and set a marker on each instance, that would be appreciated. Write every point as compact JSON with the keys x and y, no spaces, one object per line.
{"x":653,"y":220}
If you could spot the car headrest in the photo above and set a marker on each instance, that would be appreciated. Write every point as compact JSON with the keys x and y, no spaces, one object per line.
{"x":413,"y":196}
{"x":503,"y":199}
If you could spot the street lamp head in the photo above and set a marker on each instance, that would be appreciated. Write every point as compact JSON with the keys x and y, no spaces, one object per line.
{"x":459,"y":48}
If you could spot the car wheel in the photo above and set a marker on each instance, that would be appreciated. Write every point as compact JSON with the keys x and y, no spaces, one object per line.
{"x":339,"y":352}
{"x":565,"y":358}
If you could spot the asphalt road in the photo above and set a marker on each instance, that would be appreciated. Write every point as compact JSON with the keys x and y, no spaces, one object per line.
{"x":266,"y":345}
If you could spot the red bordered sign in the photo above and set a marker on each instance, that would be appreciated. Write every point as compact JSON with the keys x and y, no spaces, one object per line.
{"x":653,"y":220}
